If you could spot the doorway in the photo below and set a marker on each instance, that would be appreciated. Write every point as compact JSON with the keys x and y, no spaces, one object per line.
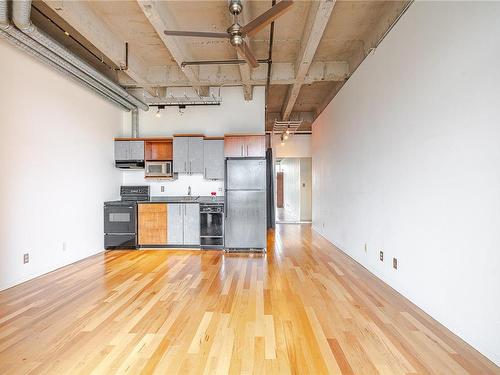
{"x":293,"y":179}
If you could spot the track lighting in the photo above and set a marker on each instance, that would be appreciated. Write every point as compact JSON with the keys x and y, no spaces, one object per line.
{"x":287,"y":131}
{"x":282,"y":140}
{"x":285,"y":136}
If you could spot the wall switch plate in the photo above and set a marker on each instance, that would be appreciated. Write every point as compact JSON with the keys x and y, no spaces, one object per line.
{"x":219,"y":190}
{"x":162,"y":189}
{"x":395,"y":263}
{"x":381,"y":256}
{"x":26,"y":258}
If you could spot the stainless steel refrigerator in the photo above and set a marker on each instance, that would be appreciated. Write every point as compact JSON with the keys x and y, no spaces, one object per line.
{"x":245,"y":196}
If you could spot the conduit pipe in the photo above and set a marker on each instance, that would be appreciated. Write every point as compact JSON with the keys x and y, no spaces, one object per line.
{"x":21,"y":11}
{"x":108,"y":89}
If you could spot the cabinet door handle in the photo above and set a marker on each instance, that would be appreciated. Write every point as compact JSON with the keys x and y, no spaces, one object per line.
{"x":241,"y":150}
{"x":205,"y":172}
{"x":185,"y":167}
{"x":247,"y":150}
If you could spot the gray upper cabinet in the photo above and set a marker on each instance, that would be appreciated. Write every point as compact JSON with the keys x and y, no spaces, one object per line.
{"x":188,"y":155}
{"x":195,"y":154}
{"x":136,"y":150}
{"x":122,"y":150}
{"x":191,"y":224}
{"x":175,"y":224}
{"x":129,"y":150}
{"x":181,"y":155}
{"x":213,"y":159}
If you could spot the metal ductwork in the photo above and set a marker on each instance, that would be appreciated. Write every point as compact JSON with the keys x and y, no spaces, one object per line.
{"x":36,"y":43}
{"x":135,"y":123}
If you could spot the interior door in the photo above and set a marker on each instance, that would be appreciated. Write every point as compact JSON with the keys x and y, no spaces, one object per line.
{"x":181,"y":152}
{"x":175,"y":224}
{"x":246,"y":174}
{"x":246,"y":220}
{"x":195,"y":154}
{"x":191,"y":224}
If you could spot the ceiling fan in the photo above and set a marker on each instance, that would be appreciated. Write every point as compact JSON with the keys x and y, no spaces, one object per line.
{"x":237,"y":33}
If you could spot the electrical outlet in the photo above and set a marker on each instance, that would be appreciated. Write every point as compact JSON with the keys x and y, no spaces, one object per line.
{"x":395,"y":263}
{"x":381,"y":256}
{"x":26,"y":258}
{"x":219,"y":190}
{"x":162,"y":188}
{"x":64,"y":246}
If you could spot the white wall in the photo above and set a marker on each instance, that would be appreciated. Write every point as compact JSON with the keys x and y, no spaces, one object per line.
{"x":406,"y":159}
{"x":297,"y":146}
{"x":234,"y":115}
{"x":56,"y":148}
{"x":305,"y":189}
{"x":291,"y":187}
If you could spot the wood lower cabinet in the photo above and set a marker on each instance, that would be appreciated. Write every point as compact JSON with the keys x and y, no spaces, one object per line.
{"x":152,"y":224}
{"x":249,"y":146}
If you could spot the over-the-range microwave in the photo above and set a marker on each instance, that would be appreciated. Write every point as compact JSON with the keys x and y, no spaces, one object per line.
{"x":158,"y":169}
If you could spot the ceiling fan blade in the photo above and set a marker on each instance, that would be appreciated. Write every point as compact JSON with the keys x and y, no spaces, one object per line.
{"x":248,"y":55}
{"x":266,"y":18}
{"x":197,"y":34}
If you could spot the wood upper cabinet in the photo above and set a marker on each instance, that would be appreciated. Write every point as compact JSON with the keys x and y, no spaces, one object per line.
{"x":158,"y":150}
{"x":152,"y":223}
{"x":245,"y":146}
{"x":255,"y":146}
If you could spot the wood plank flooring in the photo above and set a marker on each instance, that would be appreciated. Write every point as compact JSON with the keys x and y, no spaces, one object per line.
{"x":304,"y":308}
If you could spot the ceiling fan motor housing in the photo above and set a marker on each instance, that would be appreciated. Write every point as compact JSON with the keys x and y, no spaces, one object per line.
{"x":235,"y":7}
{"x":236,"y":38}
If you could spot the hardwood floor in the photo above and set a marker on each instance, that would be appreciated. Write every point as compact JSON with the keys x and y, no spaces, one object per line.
{"x":304,"y":308}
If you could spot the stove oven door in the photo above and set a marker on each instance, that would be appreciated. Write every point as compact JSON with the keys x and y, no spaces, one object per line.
{"x":120,"y":219}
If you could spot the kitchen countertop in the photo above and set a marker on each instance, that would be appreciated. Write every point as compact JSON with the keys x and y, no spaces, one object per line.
{"x":184,"y":199}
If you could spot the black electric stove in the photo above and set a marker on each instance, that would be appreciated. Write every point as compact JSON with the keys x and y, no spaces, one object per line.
{"x":120,"y":218}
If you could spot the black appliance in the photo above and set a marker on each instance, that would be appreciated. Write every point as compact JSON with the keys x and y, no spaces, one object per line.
{"x":120,"y":218}
{"x":212,"y":225}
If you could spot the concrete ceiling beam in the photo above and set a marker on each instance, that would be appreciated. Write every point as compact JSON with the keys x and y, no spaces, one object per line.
{"x":161,"y":19}
{"x":317,"y":19}
{"x":217,"y":75}
{"x":82,"y":18}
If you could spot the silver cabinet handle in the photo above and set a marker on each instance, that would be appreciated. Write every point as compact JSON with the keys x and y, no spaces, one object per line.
{"x":241,"y":150}
{"x":185,"y":167}
{"x":190,"y":167}
{"x":205,"y":172}
{"x":247,"y":151}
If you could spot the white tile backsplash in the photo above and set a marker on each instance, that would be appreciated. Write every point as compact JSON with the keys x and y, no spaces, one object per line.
{"x":199,"y":186}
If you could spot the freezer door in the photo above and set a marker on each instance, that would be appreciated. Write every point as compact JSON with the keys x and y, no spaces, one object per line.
{"x":246,"y":174}
{"x":246,"y":220}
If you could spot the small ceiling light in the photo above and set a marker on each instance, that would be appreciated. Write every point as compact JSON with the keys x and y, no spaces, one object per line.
{"x":287,"y":131}
{"x":158,"y":113}
{"x":282,"y":141}
{"x":285,"y":137}
{"x":67,"y":34}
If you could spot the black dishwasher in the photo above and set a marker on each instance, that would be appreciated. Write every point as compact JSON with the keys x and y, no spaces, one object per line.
{"x":212,"y":225}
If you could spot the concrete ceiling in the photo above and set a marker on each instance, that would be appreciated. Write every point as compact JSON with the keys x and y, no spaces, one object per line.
{"x":317,"y":46}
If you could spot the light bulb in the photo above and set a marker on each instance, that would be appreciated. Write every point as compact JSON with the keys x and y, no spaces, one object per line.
{"x":158,"y":113}
{"x":287,"y":131}
{"x":286,"y":136}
